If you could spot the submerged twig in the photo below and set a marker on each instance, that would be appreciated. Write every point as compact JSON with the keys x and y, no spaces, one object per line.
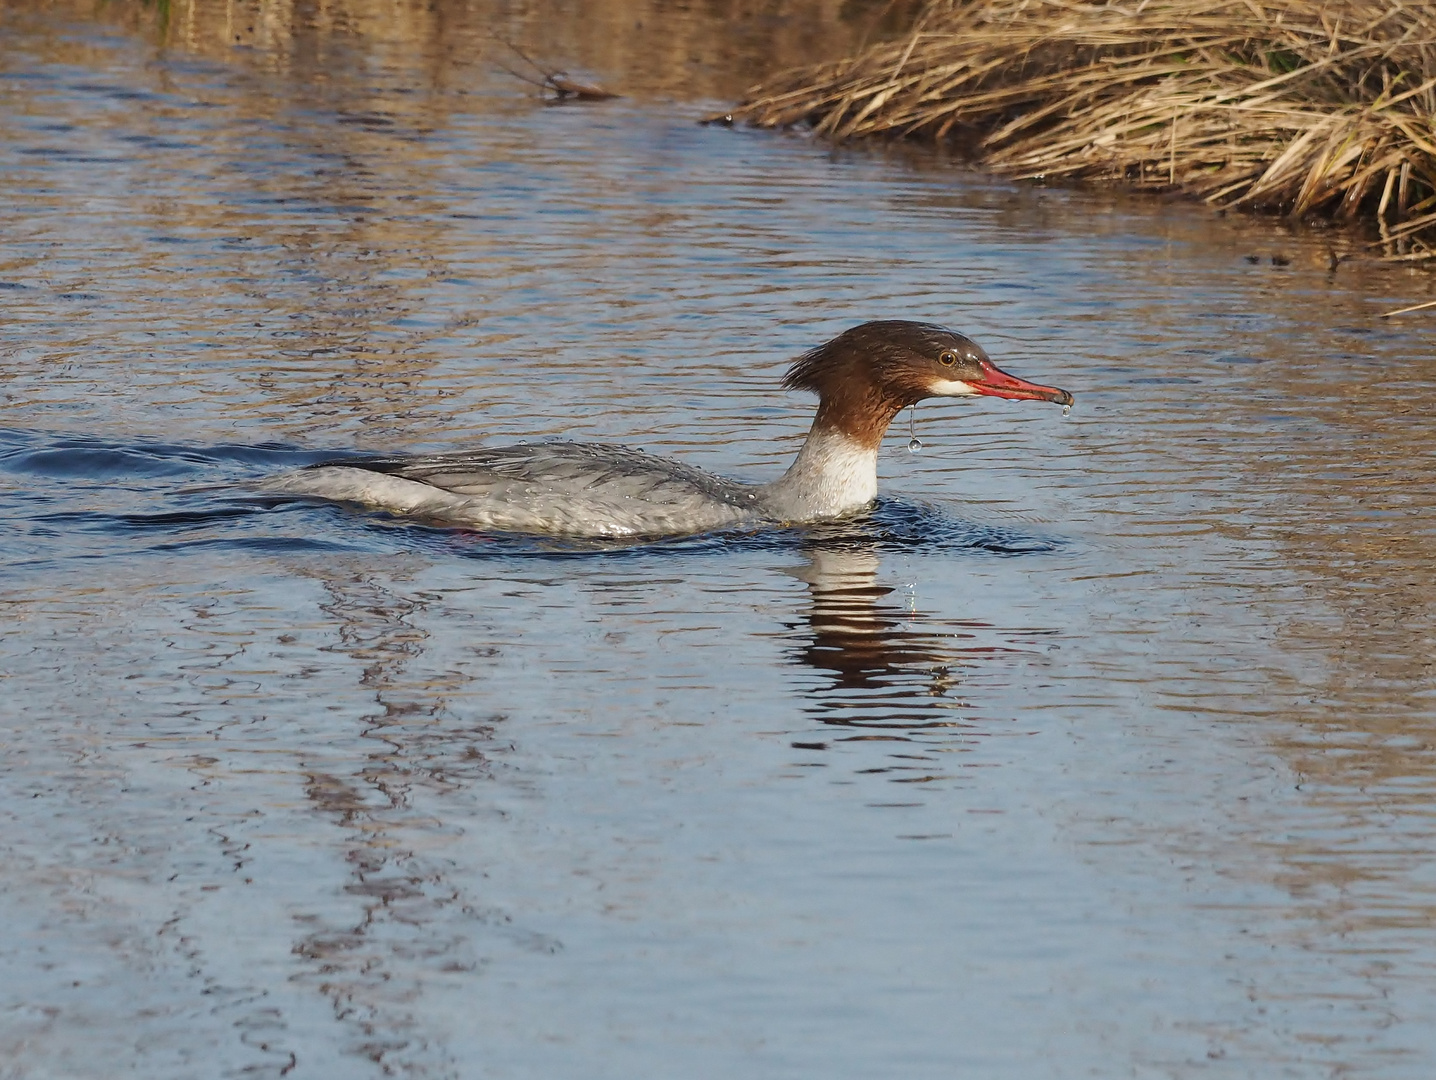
{"x":561,"y":83}
{"x":1413,"y":307}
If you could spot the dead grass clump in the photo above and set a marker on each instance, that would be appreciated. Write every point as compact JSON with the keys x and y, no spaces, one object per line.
{"x":1301,"y":107}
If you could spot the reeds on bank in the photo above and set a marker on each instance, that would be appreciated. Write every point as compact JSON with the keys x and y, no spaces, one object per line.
{"x":1300,"y":107}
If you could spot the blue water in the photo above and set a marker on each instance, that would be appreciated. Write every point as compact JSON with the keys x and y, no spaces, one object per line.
{"x":1099,"y":747}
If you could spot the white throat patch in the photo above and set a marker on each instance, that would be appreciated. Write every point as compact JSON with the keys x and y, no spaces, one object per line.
{"x":832,"y":475}
{"x":950,"y":388}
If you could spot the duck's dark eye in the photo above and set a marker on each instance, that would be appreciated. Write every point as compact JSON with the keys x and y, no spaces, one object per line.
{"x":947,"y":358}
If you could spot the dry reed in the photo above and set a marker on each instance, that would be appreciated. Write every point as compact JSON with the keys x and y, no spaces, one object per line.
{"x":1299,"y":107}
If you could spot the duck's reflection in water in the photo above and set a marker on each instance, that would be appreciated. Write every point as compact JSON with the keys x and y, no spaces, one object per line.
{"x":886,"y":668}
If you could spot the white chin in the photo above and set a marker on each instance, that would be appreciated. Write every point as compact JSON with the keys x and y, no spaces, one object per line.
{"x":951,"y":388}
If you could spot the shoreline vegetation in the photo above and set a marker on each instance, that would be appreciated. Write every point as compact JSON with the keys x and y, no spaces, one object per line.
{"x":1314,"y":110}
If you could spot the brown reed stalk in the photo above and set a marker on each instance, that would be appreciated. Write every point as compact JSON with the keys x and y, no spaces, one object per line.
{"x":1302,"y":107}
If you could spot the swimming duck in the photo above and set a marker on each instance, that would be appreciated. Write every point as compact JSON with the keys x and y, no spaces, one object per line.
{"x":863,"y":378}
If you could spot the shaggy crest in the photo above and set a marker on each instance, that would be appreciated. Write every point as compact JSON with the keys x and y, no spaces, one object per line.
{"x":873,"y":352}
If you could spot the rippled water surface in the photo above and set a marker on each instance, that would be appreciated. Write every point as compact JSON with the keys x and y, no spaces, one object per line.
{"x":1102,"y":747}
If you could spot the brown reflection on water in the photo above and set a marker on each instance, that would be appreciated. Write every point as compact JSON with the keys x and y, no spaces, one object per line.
{"x":294,"y":203}
{"x":886,"y":670}
{"x":415,"y":923}
{"x":1305,"y":445}
{"x":637,"y":47}
{"x":1354,"y":511}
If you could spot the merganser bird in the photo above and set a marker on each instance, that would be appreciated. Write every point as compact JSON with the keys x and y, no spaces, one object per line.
{"x":863,"y":378}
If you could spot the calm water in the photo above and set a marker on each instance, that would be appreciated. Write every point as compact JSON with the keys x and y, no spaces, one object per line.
{"x":1103,"y":747}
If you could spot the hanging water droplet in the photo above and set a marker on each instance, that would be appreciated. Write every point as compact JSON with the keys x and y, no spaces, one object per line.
{"x":914,"y":445}
{"x":1066,"y":409}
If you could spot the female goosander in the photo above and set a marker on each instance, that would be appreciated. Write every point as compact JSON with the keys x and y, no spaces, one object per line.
{"x":863,"y":378}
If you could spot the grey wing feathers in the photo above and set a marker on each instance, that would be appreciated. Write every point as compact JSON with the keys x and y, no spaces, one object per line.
{"x":558,"y":468}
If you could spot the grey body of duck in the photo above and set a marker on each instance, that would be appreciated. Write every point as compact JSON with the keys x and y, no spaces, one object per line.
{"x":863,"y":378}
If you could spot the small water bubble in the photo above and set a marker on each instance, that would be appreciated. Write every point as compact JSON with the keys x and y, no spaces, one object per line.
{"x":1066,"y":409}
{"x":914,"y":445}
